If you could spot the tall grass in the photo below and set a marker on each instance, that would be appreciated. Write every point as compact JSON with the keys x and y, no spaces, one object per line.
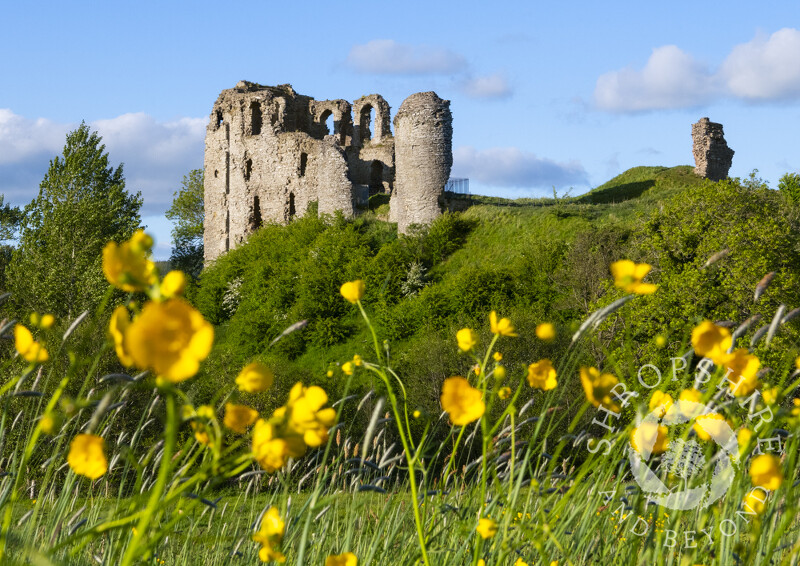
{"x":409,"y":489}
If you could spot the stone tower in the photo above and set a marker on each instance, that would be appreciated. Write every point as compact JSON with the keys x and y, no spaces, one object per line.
{"x":423,"y":131}
{"x":712,"y":156}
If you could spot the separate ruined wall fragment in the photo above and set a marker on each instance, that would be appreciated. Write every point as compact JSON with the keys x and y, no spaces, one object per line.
{"x":712,"y":156}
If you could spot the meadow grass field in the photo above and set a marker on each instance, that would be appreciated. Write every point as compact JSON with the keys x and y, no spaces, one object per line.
{"x":127,"y":436}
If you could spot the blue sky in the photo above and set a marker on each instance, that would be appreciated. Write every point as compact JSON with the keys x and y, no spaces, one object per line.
{"x":564,"y":94}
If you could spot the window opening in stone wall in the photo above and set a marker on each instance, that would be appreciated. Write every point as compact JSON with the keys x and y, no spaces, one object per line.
{"x":367,"y":115}
{"x":255,"y":118}
{"x":248,"y":169}
{"x":291,"y":206}
{"x":255,"y":215}
{"x":219,"y":118}
{"x":330,"y":124}
{"x":216,"y":173}
{"x":303,"y":164}
{"x":227,"y":230}
{"x":227,"y":172}
{"x":376,"y":177}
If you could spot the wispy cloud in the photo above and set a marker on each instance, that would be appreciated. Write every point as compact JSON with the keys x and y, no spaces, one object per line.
{"x":515,"y":168}
{"x":388,"y":57}
{"x":156,"y":154}
{"x":489,"y":86}
{"x":762,"y":70}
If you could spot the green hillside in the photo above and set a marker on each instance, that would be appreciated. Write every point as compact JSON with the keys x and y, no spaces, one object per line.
{"x":533,"y":260}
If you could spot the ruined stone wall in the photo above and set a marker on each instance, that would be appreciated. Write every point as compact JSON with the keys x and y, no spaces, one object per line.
{"x":270,"y":152}
{"x":423,"y":129}
{"x":712,"y":156}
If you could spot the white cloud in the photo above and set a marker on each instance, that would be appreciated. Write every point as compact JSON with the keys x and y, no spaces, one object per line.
{"x":156,"y":154}
{"x":764,"y":69}
{"x":512,"y":167}
{"x":670,"y":79}
{"x":489,"y":86}
{"x":388,"y":57}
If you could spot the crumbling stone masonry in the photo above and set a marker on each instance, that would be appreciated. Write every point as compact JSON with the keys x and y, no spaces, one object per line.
{"x":270,"y":152}
{"x":712,"y":156}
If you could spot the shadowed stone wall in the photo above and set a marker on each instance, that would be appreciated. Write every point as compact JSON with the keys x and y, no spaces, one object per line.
{"x":712,"y":156}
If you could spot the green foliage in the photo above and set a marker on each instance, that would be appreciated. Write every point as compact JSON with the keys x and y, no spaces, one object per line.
{"x":187,"y":212}
{"x":82,"y":204}
{"x":789,"y":185}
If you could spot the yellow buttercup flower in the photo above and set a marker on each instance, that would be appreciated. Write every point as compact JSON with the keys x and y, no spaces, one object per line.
{"x":743,"y":437}
{"x":346,"y":559}
{"x":597,"y":388}
{"x":201,"y":433}
{"x":348,"y":368}
{"x":463,"y":402}
{"x":662,"y":400}
{"x":504,"y":392}
{"x":545,"y":331}
{"x":44,"y":322}
{"x":272,"y":451}
{"x":542,"y":375}
{"x":771,"y":395}
{"x":306,"y":417}
{"x":661,"y":340}
{"x":255,"y":377}
{"x":467,"y":339}
{"x":48,"y":423}
{"x":357,"y":361}
{"x":173,"y":284}
{"x":239,"y":417}
{"x":711,"y":341}
{"x":649,"y":433}
{"x":499,"y":372}
{"x":691,"y":394}
{"x":28,"y":348}
{"x":520,"y":562}
{"x":87,"y":456}
{"x":742,"y":369}
{"x":120,"y":321}
{"x":171,"y":338}
{"x":502,"y":327}
{"x":416,"y":414}
{"x":270,"y":535}
{"x":486,"y":528}
{"x":628,"y":277}
{"x":127,"y":265}
{"x":353,"y":291}
{"x":755,"y":501}
{"x":766,"y":472}
{"x":497,"y":356}
{"x":709,"y":426}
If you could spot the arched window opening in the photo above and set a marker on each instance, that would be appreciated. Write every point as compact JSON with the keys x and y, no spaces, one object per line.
{"x":255,"y":215}
{"x":303,"y":164}
{"x":367,"y":115}
{"x":292,"y":211}
{"x":255,"y":118}
{"x":219,"y":118}
{"x":216,"y":173}
{"x":376,"y":177}
{"x":327,"y":119}
{"x":248,"y":169}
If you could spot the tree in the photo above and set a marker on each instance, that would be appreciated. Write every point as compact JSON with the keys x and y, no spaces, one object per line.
{"x":187,"y":214}
{"x":82,"y":204}
{"x":10,"y":217}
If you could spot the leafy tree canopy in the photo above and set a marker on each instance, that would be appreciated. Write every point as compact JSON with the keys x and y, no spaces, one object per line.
{"x":187,"y":214}
{"x":82,"y":204}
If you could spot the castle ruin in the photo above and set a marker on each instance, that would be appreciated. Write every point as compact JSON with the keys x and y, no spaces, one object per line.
{"x":270,"y":152}
{"x":712,"y":156}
